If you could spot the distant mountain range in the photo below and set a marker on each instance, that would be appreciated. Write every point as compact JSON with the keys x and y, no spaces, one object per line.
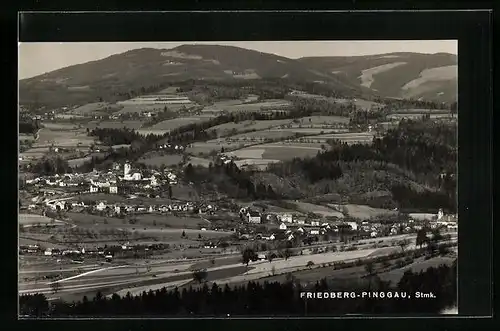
{"x":413,"y":75}
{"x":400,"y":75}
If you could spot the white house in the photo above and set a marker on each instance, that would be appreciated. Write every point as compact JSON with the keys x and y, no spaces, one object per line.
{"x":286,"y":218}
{"x":314,"y":223}
{"x":253,"y":217}
{"x":93,"y":189}
{"x":291,"y":236}
{"x":353,"y":225}
{"x":301,"y":222}
{"x":101,"y":206}
{"x":113,"y":189}
{"x":117,"y":209}
{"x":283,"y":226}
{"x":314,"y":231}
{"x":373,"y":234}
{"x":272,"y":237}
{"x":301,"y":230}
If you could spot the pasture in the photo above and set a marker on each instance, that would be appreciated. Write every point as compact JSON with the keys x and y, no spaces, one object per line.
{"x":306,"y":207}
{"x":176,"y":123}
{"x":350,"y":138}
{"x":198,"y":161}
{"x":32,"y":219}
{"x":238,"y":105}
{"x":367,"y":74}
{"x":228,"y":128}
{"x":47,"y":137}
{"x":431,"y":75}
{"x":276,"y":151}
{"x":73,"y":163}
{"x":90,"y":108}
{"x":324,"y":120}
{"x":156,"y":159}
{"x":362,"y":211}
{"x":133,"y":125}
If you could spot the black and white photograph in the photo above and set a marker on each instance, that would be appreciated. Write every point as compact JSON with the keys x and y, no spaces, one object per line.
{"x":237,"y":178}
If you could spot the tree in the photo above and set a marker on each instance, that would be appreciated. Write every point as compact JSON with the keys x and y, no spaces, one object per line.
{"x":183,"y":234}
{"x":55,"y":287}
{"x":310,"y":264}
{"x":287,"y":253}
{"x":421,"y":237}
{"x":270,"y":256}
{"x":403,"y":244}
{"x":212,"y":261}
{"x":370,"y":270}
{"x":200,"y":275}
{"x":248,"y":255}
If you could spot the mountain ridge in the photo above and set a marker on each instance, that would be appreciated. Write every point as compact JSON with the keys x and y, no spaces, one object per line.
{"x":133,"y":69}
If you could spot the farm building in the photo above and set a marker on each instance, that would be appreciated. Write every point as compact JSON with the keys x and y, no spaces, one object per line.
{"x":253,"y":217}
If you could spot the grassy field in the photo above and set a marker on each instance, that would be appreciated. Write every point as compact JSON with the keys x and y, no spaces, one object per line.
{"x":420,"y":265}
{"x":198,"y":161}
{"x":30,"y":219}
{"x":317,"y":209}
{"x":362,"y":211}
{"x":134,"y":125}
{"x":155,"y":159}
{"x":48,"y":137}
{"x":177,"y":122}
{"x":78,"y":162}
{"x":238,"y":105}
{"x":350,"y":138}
{"x":90,"y":108}
{"x":324,"y":120}
{"x":276,"y":151}
{"x":227,"y":128}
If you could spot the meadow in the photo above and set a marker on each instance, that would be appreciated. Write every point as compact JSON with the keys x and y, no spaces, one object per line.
{"x":156,"y":159}
{"x":306,"y":207}
{"x":90,"y":108}
{"x":47,"y":137}
{"x":132,"y":124}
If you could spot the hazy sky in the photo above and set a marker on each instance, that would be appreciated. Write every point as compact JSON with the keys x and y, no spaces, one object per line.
{"x":39,"y":58}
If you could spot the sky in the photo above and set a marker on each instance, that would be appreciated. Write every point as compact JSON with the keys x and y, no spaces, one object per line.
{"x":39,"y":58}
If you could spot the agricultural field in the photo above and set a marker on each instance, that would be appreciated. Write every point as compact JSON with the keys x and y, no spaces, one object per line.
{"x":73,"y":163}
{"x":362,"y":211}
{"x":60,"y":126}
{"x":176,"y":123}
{"x":140,"y":108}
{"x":156,"y":159}
{"x":324,"y":120}
{"x":90,"y":108}
{"x":23,"y":137}
{"x":32,"y":219}
{"x":399,"y":116}
{"x":420,"y":265}
{"x":34,"y":153}
{"x":238,"y":105}
{"x":47,"y":137}
{"x":306,"y":207}
{"x":276,"y":151}
{"x":148,"y":131}
{"x":350,"y":138}
{"x":198,"y":161}
{"x":133,"y":124}
{"x":244,"y":126}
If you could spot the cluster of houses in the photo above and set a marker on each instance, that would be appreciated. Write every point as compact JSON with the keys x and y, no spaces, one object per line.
{"x":117,"y":209}
{"x":107,"y":182}
{"x":106,"y":252}
{"x":290,"y":223}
